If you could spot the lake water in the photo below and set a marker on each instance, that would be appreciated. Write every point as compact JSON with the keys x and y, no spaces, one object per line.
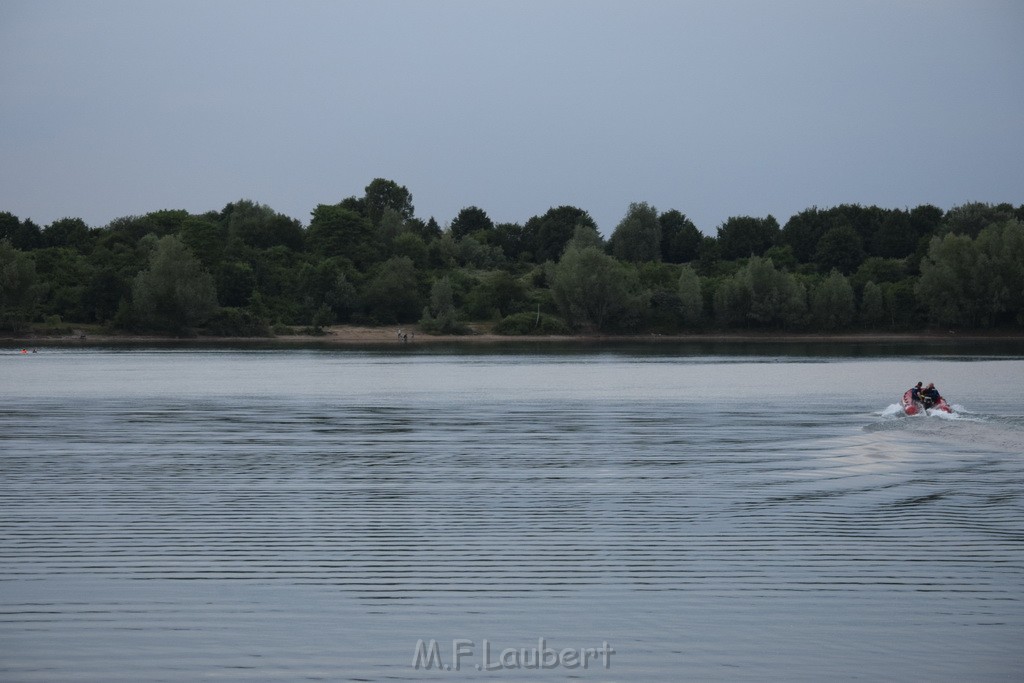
{"x":717,"y":514}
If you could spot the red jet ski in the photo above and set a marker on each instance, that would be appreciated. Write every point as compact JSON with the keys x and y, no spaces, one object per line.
{"x":912,"y":407}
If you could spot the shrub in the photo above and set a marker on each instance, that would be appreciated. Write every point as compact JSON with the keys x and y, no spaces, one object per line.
{"x":531,"y":323}
{"x":237,"y":322}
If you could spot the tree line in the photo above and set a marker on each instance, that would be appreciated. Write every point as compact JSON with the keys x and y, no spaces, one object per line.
{"x":248,"y":270}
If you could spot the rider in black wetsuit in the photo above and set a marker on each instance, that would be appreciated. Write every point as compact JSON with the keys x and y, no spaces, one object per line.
{"x":930,"y":396}
{"x":915,"y":392}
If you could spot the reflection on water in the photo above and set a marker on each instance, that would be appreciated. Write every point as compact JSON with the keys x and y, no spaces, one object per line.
{"x":292,"y":516}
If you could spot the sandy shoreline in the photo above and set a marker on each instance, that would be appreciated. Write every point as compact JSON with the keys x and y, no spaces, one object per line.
{"x":357,"y":335}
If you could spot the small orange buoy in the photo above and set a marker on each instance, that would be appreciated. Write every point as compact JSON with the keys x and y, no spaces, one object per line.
{"x":24,"y":350}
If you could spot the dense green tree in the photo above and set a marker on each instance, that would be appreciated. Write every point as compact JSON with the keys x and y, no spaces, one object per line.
{"x":412,"y":245}
{"x":680,"y":238}
{"x":777,"y":297}
{"x":872,"y":306}
{"x":971,"y":218}
{"x":235,"y":282}
{"x":23,"y":235}
{"x":925,"y":220}
{"x":391,"y":225}
{"x":67,"y":232}
{"x":949,"y":280}
{"x":802,"y":232}
{"x":894,"y":237}
{"x":268,"y":270}
{"x":832,"y":303}
{"x":547,"y":236}
{"x":66,"y":274}
{"x":277,"y":280}
{"x":507,"y":292}
{"x":656,"y":275}
{"x":708,"y":256}
{"x":104,"y":292}
{"x":19,"y":290}
{"x":470,"y":220}
{"x":157,"y":223}
{"x":471,"y":253}
{"x":586,"y":236}
{"x":440,"y":316}
{"x":174,"y":294}
{"x":206,"y":237}
{"x":901,"y":304}
{"x":743,"y":236}
{"x":325,"y":289}
{"x":497,"y":294}
{"x":442,"y":253}
{"x":431,"y":230}
{"x":839,"y":248}
{"x":637,"y":237}
{"x":257,"y":225}
{"x":392,"y":294}
{"x":759,"y":294}
{"x":732,"y":298}
{"x":879,"y":270}
{"x":9,"y":226}
{"x":336,"y":231}
{"x":383,"y":194}
{"x":975,"y":282}
{"x":691,"y":298}
{"x":591,"y":288}
{"x":509,"y":237}
{"x":1001,"y":251}
{"x":115,"y":260}
{"x":165,"y":221}
{"x":783,"y":257}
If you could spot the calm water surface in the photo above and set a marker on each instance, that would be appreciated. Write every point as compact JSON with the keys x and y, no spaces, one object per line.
{"x":183,"y":515}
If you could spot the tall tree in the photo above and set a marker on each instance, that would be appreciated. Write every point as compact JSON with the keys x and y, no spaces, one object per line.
{"x":950,"y":279}
{"x":67,"y":232}
{"x":971,"y":218}
{"x":680,"y":238}
{"x":1002,"y":247}
{"x":392,"y":294}
{"x":259,"y":226}
{"x":691,"y":298}
{"x":591,"y":288}
{"x":337,"y":231}
{"x":24,"y":235}
{"x":832,"y":303}
{"x":802,"y":232}
{"x":637,"y":237}
{"x":840,"y":248}
{"x":744,"y":236}
{"x":174,"y":293}
{"x":762,"y":295}
{"x":382,"y":194}
{"x":872,"y":306}
{"x":510,"y":239}
{"x":18,"y":287}
{"x":471,"y":219}
{"x":547,"y":236}
{"x":440,"y":316}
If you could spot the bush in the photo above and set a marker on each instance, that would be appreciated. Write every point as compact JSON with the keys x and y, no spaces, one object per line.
{"x":531,"y":323}
{"x":237,"y":322}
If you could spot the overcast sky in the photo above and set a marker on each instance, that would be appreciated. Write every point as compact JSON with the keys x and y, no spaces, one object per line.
{"x":719,"y":108}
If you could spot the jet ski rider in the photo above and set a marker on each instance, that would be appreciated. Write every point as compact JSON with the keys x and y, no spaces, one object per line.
{"x":930,"y":396}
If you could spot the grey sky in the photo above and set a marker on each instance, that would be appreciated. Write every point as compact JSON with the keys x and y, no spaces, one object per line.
{"x":717,"y":108}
